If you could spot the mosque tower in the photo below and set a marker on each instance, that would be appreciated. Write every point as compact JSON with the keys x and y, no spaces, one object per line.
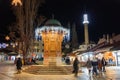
{"x":86,"y":22}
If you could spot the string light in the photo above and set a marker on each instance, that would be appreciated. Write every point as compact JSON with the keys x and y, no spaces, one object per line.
{"x":2,"y":45}
{"x":7,"y":38}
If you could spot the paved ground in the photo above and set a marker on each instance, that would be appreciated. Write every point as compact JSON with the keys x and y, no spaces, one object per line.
{"x":8,"y":72}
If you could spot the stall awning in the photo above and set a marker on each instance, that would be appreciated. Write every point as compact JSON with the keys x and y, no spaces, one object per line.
{"x":103,"y":49}
{"x":12,"y":53}
{"x":6,"y":50}
{"x":115,"y":48}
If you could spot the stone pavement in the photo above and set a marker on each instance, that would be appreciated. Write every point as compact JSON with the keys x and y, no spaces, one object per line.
{"x":8,"y":72}
{"x":111,"y":74}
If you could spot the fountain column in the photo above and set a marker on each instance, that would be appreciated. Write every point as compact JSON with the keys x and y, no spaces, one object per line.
{"x":52,"y":47}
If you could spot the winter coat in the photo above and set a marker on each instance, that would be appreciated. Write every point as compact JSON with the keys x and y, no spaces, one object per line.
{"x":100,"y":65}
{"x":75,"y":65}
{"x":88,"y":64}
{"x":94,"y":62}
{"x":19,"y":64}
{"x":104,"y":62}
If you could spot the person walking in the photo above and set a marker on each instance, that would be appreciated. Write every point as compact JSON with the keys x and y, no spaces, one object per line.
{"x":103,"y":64}
{"x":95,"y":66}
{"x":75,"y":66}
{"x":100,"y":67}
{"x":89,"y":65}
{"x":19,"y":65}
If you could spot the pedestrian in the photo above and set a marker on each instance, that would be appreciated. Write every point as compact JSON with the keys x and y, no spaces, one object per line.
{"x":95,"y":66}
{"x":75,"y":66}
{"x":19,"y":65}
{"x":100,"y":67}
{"x":34,"y":60}
{"x":67,"y":60}
{"x":89,"y":65}
{"x":104,"y":63}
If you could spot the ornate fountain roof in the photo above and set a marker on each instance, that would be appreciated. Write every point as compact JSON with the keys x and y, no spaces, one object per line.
{"x":52,"y":25}
{"x":52,"y":22}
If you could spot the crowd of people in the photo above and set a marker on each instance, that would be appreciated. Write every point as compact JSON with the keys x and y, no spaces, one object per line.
{"x":95,"y":66}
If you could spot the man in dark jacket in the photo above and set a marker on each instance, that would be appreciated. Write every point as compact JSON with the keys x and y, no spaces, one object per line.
{"x":19,"y":65}
{"x":95,"y":65}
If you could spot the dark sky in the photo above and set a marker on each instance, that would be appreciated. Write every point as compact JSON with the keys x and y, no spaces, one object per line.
{"x":6,"y":17}
{"x":104,"y":15}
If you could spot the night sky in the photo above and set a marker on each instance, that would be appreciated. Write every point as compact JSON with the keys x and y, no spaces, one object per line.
{"x":104,"y":15}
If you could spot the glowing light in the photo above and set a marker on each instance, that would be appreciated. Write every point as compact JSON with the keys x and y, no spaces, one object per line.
{"x":85,"y":17}
{"x":7,"y":45}
{"x":16,"y":2}
{"x":54,"y":30}
{"x":13,"y":46}
{"x":7,"y":38}
{"x":2,"y":45}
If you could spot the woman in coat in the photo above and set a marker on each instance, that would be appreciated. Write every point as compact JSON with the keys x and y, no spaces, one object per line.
{"x":19,"y":65}
{"x":100,"y":67}
{"x":103,"y":64}
{"x":76,"y":66}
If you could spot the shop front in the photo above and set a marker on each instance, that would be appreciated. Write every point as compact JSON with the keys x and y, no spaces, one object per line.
{"x":110,"y":57}
{"x":117,"y":57}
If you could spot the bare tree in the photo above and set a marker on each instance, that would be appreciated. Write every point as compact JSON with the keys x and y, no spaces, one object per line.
{"x":26,"y":15}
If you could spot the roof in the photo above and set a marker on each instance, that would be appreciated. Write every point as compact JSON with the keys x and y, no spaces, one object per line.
{"x":12,"y":53}
{"x":116,"y":46}
{"x":52,"y":22}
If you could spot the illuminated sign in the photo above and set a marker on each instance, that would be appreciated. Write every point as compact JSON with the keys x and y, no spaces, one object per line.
{"x":85,"y":17}
{"x":2,"y":45}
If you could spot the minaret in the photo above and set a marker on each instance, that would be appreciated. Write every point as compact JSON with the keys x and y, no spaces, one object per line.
{"x":85,"y":22}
